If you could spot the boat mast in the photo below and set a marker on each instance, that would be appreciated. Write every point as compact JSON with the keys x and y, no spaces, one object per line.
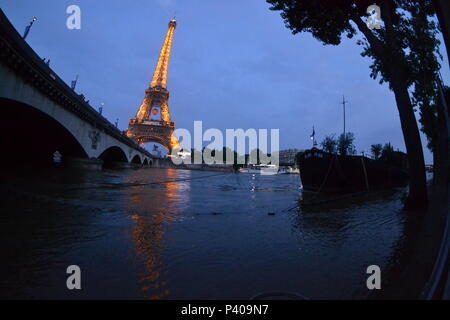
{"x":343,"y":104}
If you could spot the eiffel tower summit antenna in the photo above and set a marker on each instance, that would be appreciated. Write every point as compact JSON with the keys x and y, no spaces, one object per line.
{"x":143,"y":127}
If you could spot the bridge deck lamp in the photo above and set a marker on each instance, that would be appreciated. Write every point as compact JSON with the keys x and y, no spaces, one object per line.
{"x":27,"y":29}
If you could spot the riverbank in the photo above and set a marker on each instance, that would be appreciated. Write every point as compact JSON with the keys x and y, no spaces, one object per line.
{"x":168,"y":164}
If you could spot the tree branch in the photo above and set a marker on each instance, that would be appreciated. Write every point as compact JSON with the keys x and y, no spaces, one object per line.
{"x":387,"y":17}
{"x":375,"y":43}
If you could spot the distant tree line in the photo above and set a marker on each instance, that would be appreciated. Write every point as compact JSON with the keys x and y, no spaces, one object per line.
{"x":227,"y":156}
{"x":343,"y":145}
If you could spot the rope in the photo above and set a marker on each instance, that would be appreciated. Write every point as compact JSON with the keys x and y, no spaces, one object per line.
{"x":365,"y":173}
{"x":321,"y":186}
{"x":326,"y":176}
{"x":311,"y":203}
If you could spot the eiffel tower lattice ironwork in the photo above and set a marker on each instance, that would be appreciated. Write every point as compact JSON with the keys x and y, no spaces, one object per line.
{"x":145,"y":126}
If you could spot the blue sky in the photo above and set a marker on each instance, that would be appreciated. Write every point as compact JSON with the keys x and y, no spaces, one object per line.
{"x":233,"y":65}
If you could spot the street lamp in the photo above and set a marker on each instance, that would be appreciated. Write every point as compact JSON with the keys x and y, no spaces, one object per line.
{"x":27,"y":29}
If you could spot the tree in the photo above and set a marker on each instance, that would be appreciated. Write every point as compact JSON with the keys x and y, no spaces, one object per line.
{"x":376,"y":150}
{"x":329,"y":144}
{"x":226,"y":155}
{"x":429,"y":120}
{"x":345,"y":144}
{"x":256,"y":155}
{"x":443,"y":14}
{"x":387,"y":152}
{"x":298,"y":156}
{"x":196,"y":155}
{"x":392,"y":49}
{"x":207,"y":155}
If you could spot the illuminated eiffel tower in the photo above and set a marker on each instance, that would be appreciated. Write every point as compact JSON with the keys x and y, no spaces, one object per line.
{"x":152,"y":121}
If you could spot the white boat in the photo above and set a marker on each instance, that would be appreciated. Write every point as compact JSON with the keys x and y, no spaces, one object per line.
{"x":289,"y":170}
{"x":264,"y":169}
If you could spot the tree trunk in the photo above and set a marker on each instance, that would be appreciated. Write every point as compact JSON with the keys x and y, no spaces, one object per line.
{"x":441,"y":158}
{"x":441,"y":155}
{"x":443,"y":14}
{"x":417,"y":197}
{"x":391,"y":57}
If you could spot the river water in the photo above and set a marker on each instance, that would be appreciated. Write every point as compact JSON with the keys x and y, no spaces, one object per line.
{"x":179,"y":234}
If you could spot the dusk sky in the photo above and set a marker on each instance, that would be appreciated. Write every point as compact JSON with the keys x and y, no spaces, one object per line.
{"x":233,"y":65}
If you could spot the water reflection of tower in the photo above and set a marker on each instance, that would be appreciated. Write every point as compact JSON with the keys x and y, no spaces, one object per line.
{"x":153,"y":207}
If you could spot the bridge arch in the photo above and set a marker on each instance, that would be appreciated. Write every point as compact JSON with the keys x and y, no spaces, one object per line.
{"x":113,"y":156}
{"x":136,"y":159}
{"x":26,"y":130}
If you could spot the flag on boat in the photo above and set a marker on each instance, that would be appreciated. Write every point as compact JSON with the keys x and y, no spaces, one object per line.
{"x":313,"y":134}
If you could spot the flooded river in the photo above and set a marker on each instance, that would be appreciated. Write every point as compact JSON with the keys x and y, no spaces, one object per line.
{"x":179,"y":234}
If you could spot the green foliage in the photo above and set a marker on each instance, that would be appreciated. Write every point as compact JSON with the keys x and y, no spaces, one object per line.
{"x":298,"y":157}
{"x":389,"y":155}
{"x":219,"y":155}
{"x":345,"y":144}
{"x":256,"y":154}
{"x":376,"y":150}
{"x":196,"y":154}
{"x":428,"y":119}
{"x":325,"y":20}
{"x":387,"y":152}
{"x":329,"y":144}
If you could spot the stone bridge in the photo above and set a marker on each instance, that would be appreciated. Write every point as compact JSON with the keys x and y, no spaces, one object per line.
{"x":41,"y":114}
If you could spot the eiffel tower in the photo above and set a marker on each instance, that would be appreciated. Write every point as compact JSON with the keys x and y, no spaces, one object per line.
{"x":152,"y":121}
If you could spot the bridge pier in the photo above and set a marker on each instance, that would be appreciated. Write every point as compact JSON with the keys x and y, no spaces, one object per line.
{"x":85,"y":164}
{"x":120,"y":165}
{"x":98,"y":164}
{"x":137,"y":165}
